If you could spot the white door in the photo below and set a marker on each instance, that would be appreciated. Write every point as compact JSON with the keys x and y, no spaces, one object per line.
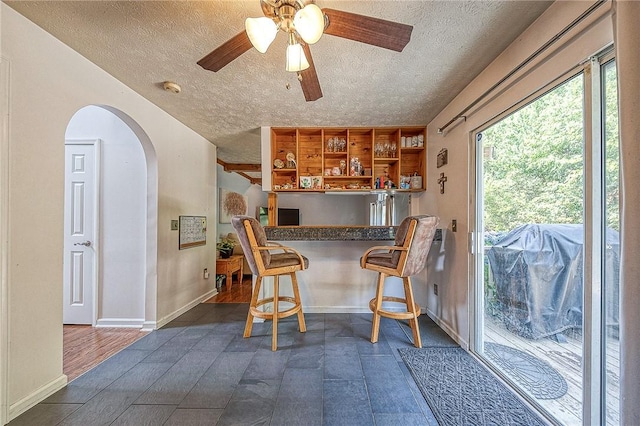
{"x":79,"y":232}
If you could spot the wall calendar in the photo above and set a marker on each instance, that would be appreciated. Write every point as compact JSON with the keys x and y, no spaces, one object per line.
{"x":193,"y":231}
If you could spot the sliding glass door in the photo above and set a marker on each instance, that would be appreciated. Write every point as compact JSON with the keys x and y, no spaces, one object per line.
{"x":611,"y":214}
{"x":538,"y":282}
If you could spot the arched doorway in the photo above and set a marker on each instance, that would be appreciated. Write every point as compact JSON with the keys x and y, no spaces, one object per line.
{"x":124,"y":242}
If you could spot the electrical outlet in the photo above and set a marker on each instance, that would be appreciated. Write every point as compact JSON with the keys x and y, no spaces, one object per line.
{"x":174,"y":225}
{"x":454,"y":225}
{"x":205,"y":274}
{"x":435,"y":289}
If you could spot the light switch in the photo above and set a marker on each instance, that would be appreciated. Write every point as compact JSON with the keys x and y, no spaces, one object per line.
{"x":454,"y":225}
{"x":174,"y":225}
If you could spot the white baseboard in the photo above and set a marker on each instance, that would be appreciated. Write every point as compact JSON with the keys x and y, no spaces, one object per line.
{"x":334,"y":309}
{"x":149,"y":326}
{"x":120,"y":322}
{"x":455,"y":336}
{"x":175,"y":314}
{"x":348,"y":309}
{"x":39,"y":395}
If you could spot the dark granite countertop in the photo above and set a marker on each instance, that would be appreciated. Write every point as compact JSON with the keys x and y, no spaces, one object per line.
{"x":334,"y":233}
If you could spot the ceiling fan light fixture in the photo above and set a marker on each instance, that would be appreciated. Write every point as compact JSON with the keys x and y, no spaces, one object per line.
{"x":309,"y":23}
{"x":261,"y":31}
{"x":296,"y":59}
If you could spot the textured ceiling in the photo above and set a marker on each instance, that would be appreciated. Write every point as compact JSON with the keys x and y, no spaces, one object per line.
{"x":144,"y":43}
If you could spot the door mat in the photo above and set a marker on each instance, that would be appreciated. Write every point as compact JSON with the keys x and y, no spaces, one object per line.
{"x":534,"y":375}
{"x":460,"y":391}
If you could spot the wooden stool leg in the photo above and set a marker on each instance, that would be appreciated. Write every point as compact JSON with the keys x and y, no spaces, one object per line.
{"x":296,"y":295}
{"x":375,"y":326}
{"x":276,"y":295}
{"x":411,"y":307}
{"x":254,"y":301}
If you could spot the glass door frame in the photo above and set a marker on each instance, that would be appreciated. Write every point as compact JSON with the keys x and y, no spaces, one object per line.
{"x":594,"y":370}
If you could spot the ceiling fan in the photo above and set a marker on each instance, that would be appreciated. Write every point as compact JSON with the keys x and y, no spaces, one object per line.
{"x":304,"y":23}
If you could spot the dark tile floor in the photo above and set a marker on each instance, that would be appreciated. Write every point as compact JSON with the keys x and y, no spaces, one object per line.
{"x":199,"y":370}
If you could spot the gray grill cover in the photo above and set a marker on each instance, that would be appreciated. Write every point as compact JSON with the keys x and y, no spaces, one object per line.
{"x":538,"y":272}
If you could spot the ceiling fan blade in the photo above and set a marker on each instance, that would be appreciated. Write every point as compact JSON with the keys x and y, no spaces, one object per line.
{"x":226,"y":53}
{"x":374,"y":31}
{"x":310,"y":83}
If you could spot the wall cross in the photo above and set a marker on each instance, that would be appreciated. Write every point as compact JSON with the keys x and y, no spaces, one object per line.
{"x":441,"y":181}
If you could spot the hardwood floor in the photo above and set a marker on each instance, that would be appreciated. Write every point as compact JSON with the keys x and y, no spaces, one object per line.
{"x":86,"y":346}
{"x":239,"y":293}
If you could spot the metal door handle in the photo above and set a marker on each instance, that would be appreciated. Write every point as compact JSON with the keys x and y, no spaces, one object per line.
{"x":86,"y":244}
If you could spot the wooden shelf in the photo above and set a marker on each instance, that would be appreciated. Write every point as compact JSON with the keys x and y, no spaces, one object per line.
{"x":347,"y":177}
{"x":309,"y":147}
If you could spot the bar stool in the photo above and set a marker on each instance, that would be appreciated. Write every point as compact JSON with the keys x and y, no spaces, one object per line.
{"x":263,"y":263}
{"x":406,"y":258}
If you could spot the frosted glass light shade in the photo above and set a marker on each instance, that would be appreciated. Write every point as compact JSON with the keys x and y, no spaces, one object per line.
{"x":296,"y":60}
{"x":261,"y":31}
{"x":309,"y":23}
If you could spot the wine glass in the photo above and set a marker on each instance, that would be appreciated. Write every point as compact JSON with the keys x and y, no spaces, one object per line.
{"x":394,"y":148}
{"x":343,"y":166}
{"x":330,"y":145}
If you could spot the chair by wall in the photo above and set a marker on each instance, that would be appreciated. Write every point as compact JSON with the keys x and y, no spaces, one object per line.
{"x":264,"y":263}
{"x":407,"y":257}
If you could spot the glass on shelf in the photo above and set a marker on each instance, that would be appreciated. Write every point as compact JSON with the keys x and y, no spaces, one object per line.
{"x":330,"y":145}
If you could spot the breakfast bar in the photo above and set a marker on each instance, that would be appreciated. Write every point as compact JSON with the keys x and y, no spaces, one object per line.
{"x":334,"y":281}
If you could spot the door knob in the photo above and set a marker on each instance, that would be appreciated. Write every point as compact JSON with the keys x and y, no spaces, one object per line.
{"x":86,"y":244}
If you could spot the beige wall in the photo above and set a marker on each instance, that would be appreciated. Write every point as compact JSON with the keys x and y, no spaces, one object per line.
{"x":48,"y":83}
{"x":452,"y":308}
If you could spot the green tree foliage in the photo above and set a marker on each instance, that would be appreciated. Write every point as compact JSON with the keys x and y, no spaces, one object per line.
{"x":535,"y":171}
{"x":612,"y":147}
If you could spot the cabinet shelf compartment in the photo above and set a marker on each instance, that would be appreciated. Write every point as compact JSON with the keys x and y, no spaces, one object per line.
{"x":409,"y":133}
{"x":334,"y":133}
{"x":280,"y":178}
{"x":388,"y":168}
{"x":384,"y":139}
{"x":310,"y":152}
{"x":412,"y":163}
{"x":283,"y":141}
{"x":347,"y":183}
{"x":360,"y":143}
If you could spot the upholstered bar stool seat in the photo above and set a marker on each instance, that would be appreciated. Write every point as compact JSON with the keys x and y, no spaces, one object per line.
{"x":264,"y":263}
{"x":407,"y":257}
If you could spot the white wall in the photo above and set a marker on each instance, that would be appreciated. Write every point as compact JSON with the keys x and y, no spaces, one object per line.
{"x":452,"y":308}
{"x":49,"y":82}
{"x":122,"y":218}
{"x":236,"y":183}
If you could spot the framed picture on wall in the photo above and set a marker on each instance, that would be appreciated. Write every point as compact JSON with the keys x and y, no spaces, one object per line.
{"x":193,"y":231}
{"x":443,"y":157}
{"x":231,"y":204}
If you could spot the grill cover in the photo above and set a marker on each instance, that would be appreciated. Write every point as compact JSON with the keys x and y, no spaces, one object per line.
{"x":538,"y":273}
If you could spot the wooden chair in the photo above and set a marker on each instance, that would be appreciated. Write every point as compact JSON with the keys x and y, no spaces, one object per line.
{"x":406,"y":258}
{"x":264,"y":263}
